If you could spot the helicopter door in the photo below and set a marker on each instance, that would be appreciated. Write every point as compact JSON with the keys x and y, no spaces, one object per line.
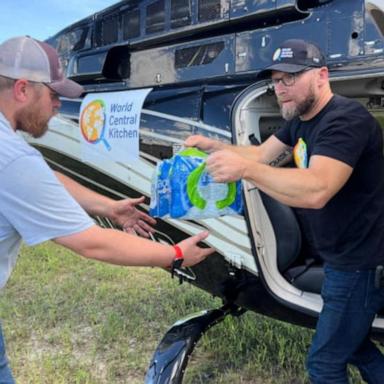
{"x":274,"y":230}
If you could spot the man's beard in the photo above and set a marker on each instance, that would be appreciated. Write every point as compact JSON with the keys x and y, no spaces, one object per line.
{"x":30,"y":121}
{"x":300,"y":109}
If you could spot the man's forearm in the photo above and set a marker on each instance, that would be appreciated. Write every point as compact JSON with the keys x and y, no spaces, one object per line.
{"x":291,"y":186}
{"x":250,"y":152}
{"x":118,"y":248}
{"x":92,"y":202}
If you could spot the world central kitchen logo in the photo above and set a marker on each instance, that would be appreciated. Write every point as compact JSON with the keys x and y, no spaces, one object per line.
{"x":100,"y":122}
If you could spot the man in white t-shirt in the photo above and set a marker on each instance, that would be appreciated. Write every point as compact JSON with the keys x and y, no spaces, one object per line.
{"x":38,"y":205}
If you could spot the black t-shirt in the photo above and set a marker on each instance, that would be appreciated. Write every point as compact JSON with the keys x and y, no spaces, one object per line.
{"x":348,"y":233}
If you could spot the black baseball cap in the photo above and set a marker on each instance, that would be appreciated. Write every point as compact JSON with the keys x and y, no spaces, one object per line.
{"x":293,"y":56}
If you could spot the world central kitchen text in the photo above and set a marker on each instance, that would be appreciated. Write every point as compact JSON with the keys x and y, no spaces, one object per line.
{"x":118,"y":124}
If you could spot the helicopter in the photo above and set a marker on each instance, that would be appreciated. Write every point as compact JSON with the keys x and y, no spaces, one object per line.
{"x":190,"y":67}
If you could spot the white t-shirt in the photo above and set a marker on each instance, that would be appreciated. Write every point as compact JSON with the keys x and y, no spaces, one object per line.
{"x":34,"y":205}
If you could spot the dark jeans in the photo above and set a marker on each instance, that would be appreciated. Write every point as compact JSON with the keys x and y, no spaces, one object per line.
{"x":351,"y":302}
{"x":5,"y":372}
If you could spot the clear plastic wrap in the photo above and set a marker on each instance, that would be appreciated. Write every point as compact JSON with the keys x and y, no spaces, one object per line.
{"x":182,"y":188}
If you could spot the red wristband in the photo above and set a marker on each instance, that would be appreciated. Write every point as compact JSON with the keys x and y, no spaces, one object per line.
{"x":178,"y":252}
{"x":177,"y":261}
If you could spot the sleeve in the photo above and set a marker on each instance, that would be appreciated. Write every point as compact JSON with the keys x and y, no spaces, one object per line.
{"x":36,"y":204}
{"x":344,"y":136}
{"x":284,"y":134}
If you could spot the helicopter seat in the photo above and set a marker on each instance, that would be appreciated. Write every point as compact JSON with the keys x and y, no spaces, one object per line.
{"x":301,"y":271}
{"x":307,"y":278}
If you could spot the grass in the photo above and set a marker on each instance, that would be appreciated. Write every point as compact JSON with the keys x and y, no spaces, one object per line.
{"x":71,"y":320}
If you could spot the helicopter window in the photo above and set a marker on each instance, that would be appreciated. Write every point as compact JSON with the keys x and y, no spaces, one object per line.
{"x":131,"y":24}
{"x":155,"y":21}
{"x":90,"y":64}
{"x":209,"y":10}
{"x":198,"y":55}
{"x":82,"y":39}
{"x":180,"y":13}
{"x":72,"y":41}
{"x":107,"y":30}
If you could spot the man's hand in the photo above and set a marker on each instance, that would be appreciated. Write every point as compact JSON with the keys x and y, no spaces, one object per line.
{"x":226,"y":166}
{"x":131,"y":219}
{"x":192,"y":253}
{"x":204,"y":143}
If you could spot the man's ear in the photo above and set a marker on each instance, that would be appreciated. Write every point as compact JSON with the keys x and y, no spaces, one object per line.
{"x":323,"y":75}
{"x":21,"y":91}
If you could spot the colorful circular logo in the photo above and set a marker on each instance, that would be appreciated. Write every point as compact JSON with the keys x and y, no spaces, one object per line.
{"x":92,"y":122}
{"x":300,"y":154}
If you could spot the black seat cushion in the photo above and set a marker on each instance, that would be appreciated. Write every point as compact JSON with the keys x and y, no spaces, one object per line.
{"x":306,"y":277}
{"x":287,"y":231}
{"x":293,"y":257}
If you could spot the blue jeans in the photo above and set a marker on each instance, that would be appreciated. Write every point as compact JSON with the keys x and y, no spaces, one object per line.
{"x":351,"y":302}
{"x":5,"y":372}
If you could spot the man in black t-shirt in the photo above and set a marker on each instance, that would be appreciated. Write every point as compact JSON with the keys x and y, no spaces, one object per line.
{"x":337,"y":190}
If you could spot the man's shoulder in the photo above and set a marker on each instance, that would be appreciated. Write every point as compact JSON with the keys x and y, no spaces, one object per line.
{"x":343,"y":111}
{"x":342,"y":103}
{"x":12,"y":146}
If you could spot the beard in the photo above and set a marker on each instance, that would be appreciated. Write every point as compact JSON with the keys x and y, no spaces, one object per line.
{"x":290,"y":112}
{"x":30,"y":120}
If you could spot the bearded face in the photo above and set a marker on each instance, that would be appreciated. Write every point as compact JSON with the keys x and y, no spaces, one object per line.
{"x":30,"y":120}
{"x":33,"y":118}
{"x":299,"y":105}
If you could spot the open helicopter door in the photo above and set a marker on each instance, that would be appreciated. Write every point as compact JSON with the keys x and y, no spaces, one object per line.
{"x":275,"y":232}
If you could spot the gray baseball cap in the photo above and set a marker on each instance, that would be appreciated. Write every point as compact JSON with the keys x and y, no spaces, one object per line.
{"x":26,"y":58}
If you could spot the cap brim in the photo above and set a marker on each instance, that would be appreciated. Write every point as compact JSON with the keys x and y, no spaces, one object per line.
{"x":281,"y":67}
{"x":67,"y":88}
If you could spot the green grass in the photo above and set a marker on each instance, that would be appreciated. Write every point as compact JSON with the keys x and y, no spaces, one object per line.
{"x":71,"y":320}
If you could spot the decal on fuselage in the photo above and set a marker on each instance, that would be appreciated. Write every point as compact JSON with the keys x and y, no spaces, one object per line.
{"x":109,"y":125}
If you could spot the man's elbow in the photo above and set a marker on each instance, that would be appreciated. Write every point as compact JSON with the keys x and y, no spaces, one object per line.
{"x":318,"y":200}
